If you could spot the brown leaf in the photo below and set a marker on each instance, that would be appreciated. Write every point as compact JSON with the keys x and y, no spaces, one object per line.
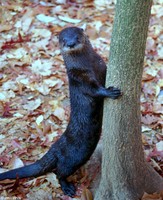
{"x":154,"y":196}
{"x":86,"y":195}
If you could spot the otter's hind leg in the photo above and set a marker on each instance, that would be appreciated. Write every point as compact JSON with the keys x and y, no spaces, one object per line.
{"x":68,"y":188}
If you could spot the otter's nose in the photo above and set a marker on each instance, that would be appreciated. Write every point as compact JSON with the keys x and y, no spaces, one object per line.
{"x":71,"y":44}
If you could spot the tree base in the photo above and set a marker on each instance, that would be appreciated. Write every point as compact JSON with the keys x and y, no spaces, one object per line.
{"x":153,"y":182}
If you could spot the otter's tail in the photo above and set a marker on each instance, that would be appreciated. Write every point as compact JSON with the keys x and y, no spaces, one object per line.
{"x":46,"y":164}
{"x":32,"y":170}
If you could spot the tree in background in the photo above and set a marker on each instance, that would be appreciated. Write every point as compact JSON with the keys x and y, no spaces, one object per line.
{"x":125,"y":173}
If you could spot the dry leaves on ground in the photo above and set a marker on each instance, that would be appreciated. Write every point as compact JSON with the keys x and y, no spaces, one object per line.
{"x":34,"y":103}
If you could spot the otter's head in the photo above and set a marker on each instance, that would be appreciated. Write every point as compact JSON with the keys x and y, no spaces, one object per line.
{"x":72,"y":39}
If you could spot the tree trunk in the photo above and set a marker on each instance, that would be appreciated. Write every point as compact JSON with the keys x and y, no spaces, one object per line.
{"x":125,"y":174}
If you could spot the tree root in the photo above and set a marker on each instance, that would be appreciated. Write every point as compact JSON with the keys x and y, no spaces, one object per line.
{"x":153,"y":181}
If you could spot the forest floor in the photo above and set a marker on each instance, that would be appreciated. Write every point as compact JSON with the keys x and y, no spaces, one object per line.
{"x":34,"y":99}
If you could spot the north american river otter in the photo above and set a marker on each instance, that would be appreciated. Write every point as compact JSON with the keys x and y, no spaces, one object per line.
{"x":86,"y":74}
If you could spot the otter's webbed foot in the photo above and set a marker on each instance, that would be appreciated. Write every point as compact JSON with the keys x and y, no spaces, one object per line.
{"x":67,"y":188}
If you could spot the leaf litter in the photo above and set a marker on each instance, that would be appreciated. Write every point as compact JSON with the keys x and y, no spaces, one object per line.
{"x":34,"y":103}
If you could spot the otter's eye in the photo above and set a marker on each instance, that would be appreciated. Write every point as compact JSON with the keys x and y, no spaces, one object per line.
{"x":77,"y":38}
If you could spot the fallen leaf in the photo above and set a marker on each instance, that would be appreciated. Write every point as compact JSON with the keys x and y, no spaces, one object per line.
{"x":159,"y":146}
{"x":32,"y":105}
{"x":42,"y":67}
{"x":86,"y":195}
{"x":68,"y":19}
{"x":154,"y":196}
{"x":59,"y":113}
{"x":46,"y":19}
{"x":39,"y":119}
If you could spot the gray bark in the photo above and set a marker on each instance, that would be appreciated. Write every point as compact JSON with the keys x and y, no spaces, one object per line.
{"x":125,"y":174}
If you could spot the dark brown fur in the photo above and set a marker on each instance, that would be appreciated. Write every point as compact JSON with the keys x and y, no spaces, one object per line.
{"x":86,"y":73}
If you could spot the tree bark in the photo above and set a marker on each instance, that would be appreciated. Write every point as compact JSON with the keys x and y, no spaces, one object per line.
{"x":125,"y":174}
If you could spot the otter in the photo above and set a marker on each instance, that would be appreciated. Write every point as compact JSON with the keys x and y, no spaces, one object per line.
{"x":86,"y":72}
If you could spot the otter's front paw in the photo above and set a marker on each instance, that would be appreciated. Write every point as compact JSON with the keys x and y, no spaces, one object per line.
{"x":114,"y":92}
